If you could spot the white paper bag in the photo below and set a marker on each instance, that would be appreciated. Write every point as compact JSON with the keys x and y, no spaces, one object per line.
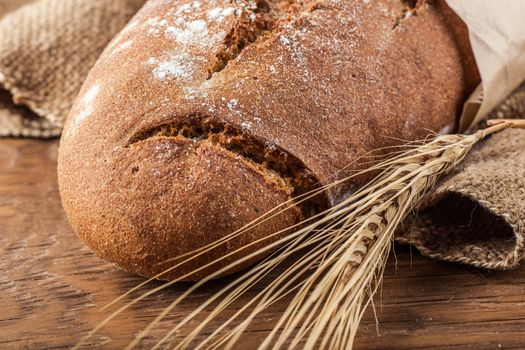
{"x":497,"y":35}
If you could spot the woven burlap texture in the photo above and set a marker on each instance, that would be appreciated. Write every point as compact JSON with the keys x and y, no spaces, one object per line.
{"x":47,"y":47}
{"x":475,"y":215}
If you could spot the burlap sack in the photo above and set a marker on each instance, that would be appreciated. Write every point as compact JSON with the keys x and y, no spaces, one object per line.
{"x":46,"y":50}
{"x":475,"y":216}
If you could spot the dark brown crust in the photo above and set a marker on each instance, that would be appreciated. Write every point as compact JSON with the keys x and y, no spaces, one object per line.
{"x":279,"y":167}
{"x":322,"y":82}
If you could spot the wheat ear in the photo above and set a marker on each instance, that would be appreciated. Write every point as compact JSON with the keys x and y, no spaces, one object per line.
{"x":329,"y":304}
{"x":344,"y":253}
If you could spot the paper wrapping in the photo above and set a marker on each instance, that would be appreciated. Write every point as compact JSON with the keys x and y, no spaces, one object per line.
{"x":497,"y":37}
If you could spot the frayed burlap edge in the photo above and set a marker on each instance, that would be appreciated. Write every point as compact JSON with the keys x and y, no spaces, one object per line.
{"x":21,"y":117}
{"x":502,"y":251}
{"x":476,"y":215}
{"x":46,"y":52}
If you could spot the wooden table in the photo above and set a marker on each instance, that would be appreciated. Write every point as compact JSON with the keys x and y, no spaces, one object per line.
{"x":52,"y":287}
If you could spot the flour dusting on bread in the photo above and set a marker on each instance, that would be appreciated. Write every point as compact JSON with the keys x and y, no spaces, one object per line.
{"x":85,"y":108}
{"x":218,"y":13}
{"x":195,"y":33}
{"x":213,"y":105}
{"x":178,"y":65}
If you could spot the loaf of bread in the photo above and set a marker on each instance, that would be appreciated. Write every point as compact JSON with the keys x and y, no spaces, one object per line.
{"x":202,"y":115}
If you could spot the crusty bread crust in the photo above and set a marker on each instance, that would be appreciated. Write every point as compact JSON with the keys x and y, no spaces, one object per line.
{"x":204,"y":114}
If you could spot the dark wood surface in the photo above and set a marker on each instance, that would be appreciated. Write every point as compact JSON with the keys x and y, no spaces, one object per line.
{"x":52,"y":287}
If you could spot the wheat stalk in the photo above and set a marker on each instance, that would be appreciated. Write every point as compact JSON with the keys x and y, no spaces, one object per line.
{"x":343,"y":254}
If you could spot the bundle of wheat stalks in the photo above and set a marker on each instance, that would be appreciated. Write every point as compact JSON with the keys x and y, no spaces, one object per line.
{"x":338,"y":257}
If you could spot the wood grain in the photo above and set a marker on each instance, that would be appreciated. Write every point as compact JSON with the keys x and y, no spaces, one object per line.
{"x":52,"y":287}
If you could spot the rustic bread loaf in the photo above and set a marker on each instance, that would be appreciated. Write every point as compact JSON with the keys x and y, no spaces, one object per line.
{"x":204,"y":114}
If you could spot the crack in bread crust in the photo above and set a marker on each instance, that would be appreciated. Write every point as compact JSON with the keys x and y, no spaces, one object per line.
{"x":269,"y":158}
{"x":256,"y":19}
